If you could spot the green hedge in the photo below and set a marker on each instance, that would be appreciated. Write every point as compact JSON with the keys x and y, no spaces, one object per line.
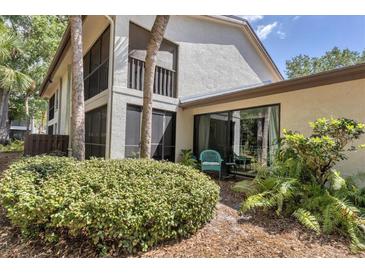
{"x":133,"y":204}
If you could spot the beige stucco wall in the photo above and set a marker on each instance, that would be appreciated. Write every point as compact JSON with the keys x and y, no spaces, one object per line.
{"x":212,"y":56}
{"x":346,"y":99}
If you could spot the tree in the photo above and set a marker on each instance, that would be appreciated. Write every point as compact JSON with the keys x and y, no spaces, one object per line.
{"x":11,"y":79}
{"x":40,"y":36}
{"x":154,"y":43}
{"x":78,"y":108}
{"x":303,"y":65}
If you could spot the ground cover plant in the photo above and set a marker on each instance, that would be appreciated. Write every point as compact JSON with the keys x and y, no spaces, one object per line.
{"x":129,"y":205}
{"x":14,"y":146}
{"x":302,"y":181}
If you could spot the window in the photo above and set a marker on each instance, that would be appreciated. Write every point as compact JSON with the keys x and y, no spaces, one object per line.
{"x":96,"y":66}
{"x":165,"y":74}
{"x":50,"y":130}
{"x":51,"y":104}
{"x":248,"y":135}
{"x":95,"y":132}
{"x":56,"y":100}
{"x":163,"y":133}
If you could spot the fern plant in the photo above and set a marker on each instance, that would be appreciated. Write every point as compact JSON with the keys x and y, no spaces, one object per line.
{"x":300,"y":184}
{"x":187,"y":158}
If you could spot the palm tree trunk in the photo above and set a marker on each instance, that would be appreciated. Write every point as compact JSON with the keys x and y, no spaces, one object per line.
{"x":4,"y":108}
{"x":78,"y":107}
{"x":157,"y":33}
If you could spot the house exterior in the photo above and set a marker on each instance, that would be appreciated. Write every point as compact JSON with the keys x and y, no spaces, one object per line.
{"x":215,"y":87}
{"x":18,"y":128}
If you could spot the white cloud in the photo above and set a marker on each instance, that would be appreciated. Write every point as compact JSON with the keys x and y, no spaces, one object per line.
{"x":281,"y":34}
{"x":264,"y":30}
{"x":296,"y":18}
{"x":252,"y":18}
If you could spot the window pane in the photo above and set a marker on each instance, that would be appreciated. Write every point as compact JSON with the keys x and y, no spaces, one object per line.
{"x":96,"y":129}
{"x":159,"y":149}
{"x":103,"y":76}
{"x":88,"y":126}
{"x":157,"y":128}
{"x":105,"y":45}
{"x":95,"y":55}
{"x":132,"y":151}
{"x":50,"y":130}
{"x":169,"y":133}
{"x":87,"y":64}
{"x":156,"y":152}
{"x":103,"y":125}
{"x":133,"y":126}
{"x":95,"y":132}
{"x":93,"y":84}
{"x":169,"y":153}
{"x":86,"y":89}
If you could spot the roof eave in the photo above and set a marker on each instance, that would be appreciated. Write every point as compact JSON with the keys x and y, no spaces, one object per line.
{"x":344,"y":74}
{"x":56,"y":59}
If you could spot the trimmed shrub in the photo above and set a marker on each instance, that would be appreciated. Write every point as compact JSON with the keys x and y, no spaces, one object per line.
{"x":132,"y":204}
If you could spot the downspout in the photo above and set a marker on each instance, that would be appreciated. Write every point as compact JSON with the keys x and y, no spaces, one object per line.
{"x":110,"y":88}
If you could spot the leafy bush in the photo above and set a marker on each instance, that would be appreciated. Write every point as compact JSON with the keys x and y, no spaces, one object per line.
{"x":15,"y":146}
{"x":129,"y":204}
{"x":187,"y":158}
{"x":303,"y":183}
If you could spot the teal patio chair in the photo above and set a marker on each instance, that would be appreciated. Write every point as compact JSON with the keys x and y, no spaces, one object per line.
{"x":211,"y":160}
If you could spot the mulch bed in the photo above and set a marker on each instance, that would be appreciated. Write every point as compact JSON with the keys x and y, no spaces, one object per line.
{"x":7,"y":158}
{"x":227,"y":235}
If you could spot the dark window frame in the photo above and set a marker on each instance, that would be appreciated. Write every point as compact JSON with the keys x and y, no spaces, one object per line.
{"x":196,"y":125}
{"x":163,"y":141}
{"x":100,"y":135}
{"x":98,"y":69}
{"x":51,"y":107}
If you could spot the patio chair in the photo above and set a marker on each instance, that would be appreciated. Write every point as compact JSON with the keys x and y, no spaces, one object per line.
{"x":211,"y":160}
{"x":242,"y":160}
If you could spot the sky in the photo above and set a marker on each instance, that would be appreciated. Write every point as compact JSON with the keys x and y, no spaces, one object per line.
{"x":287,"y":36}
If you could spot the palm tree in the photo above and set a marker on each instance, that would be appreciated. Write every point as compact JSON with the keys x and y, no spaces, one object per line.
{"x":157,"y":33}
{"x":78,"y":106}
{"x":11,"y":79}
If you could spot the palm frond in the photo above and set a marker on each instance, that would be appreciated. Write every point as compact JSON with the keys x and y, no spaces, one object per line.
{"x":307,"y":219}
{"x":11,"y":79}
{"x":8,"y":44}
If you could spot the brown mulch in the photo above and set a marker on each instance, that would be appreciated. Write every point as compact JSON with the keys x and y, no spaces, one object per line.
{"x":227,"y":235}
{"x":262,"y":235}
{"x":7,"y":158}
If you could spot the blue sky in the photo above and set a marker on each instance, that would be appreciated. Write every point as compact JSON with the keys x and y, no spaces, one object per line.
{"x":287,"y":36}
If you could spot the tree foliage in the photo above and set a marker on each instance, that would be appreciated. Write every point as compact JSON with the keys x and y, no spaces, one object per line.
{"x":39,"y":36}
{"x":303,"y":65}
{"x":303,"y":183}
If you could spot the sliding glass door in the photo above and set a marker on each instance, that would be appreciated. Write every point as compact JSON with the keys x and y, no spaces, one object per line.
{"x":246,"y":137}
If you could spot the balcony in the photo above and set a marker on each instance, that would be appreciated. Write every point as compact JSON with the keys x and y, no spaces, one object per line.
{"x":164,"y":83}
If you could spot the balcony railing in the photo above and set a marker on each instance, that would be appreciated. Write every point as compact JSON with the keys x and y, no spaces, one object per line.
{"x":164,"y":83}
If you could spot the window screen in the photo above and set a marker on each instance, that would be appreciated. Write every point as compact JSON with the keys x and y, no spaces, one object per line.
{"x":163,"y":133}
{"x":96,"y":66}
{"x":95,"y":132}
